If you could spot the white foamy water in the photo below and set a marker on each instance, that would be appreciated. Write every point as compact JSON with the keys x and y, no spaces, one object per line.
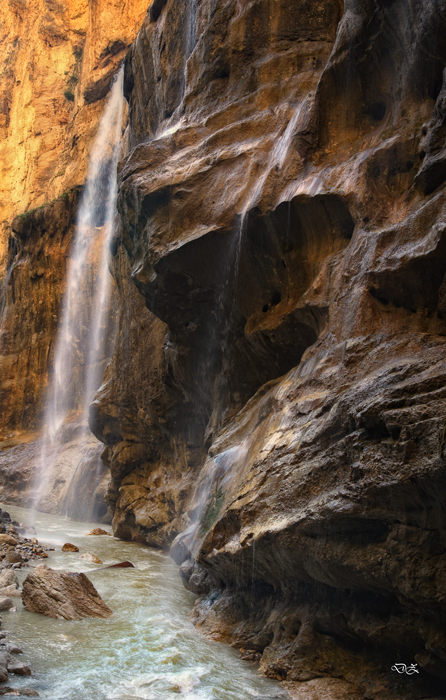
{"x":147,"y":649}
{"x":85,"y":328}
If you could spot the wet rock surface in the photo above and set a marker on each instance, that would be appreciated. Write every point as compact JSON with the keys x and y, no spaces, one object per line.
{"x":30,"y":302}
{"x":323,"y":689}
{"x":68,"y":547}
{"x":283,"y":402}
{"x":16,"y":550}
{"x":9,"y":663}
{"x":65,"y":596}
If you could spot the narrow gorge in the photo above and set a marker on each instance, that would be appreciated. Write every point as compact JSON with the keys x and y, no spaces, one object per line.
{"x":273,"y":405}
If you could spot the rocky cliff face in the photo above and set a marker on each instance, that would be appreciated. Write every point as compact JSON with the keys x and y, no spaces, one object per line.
{"x":281,"y":399}
{"x":57,"y":62}
{"x":58,"y":59}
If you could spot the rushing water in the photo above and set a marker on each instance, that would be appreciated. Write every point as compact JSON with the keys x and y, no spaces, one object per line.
{"x":85,"y":328}
{"x":147,"y":649}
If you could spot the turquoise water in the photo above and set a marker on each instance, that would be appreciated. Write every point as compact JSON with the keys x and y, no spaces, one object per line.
{"x":147,"y":649}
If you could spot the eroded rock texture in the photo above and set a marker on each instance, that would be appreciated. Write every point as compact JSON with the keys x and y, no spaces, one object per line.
{"x":65,"y":596}
{"x":283,"y":214}
{"x":30,"y":303}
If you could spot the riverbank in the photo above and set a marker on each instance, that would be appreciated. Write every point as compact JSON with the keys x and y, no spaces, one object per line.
{"x":147,"y":649}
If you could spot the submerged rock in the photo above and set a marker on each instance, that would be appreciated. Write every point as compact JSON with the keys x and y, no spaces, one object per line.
{"x":98,"y":531}
{"x":65,"y":596}
{"x":6,"y":603}
{"x":90,"y":557}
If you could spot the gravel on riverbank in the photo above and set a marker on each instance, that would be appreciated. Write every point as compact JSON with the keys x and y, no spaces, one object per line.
{"x":16,"y":550}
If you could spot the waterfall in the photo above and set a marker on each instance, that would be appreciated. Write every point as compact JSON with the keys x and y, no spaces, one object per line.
{"x":84,"y":330}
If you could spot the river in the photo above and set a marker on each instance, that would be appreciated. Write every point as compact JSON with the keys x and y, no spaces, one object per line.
{"x":147,"y":649}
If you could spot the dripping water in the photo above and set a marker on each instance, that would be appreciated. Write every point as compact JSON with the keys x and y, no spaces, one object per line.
{"x":84,"y":337}
{"x":235,"y":458}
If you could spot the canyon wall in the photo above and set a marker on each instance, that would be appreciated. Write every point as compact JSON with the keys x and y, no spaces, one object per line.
{"x":277,"y":395}
{"x":57,"y":63}
{"x":58,"y":59}
{"x":275,"y":405}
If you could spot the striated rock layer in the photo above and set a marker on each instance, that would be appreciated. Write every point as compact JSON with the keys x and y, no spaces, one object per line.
{"x":283,"y":398}
{"x":65,"y":596}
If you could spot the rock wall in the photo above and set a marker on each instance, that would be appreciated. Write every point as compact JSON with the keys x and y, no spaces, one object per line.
{"x":282,"y":210}
{"x":58,"y":59}
{"x":30,"y":315}
{"x":57,"y":62}
{"x":31,"y":299}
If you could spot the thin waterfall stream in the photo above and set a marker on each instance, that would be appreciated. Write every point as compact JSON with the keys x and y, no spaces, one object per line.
{"x":85,"y":335}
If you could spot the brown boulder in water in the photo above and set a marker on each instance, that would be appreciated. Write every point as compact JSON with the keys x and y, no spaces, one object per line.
{"x":65,"y":596}
{"x":68,"y":547}
{"x":98,"y":531}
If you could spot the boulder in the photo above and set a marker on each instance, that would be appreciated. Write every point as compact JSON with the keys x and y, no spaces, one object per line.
{"x":8,"y":539}
{"x":6,"y":603}
{"x":65,"y":596}
{"x":68,"y":547}
{"x":8,"y":578}
{"x":98,"y":531}
{"x":16,"y":666}
{"x":14,"y":557}
{"x":8,"y":591}
{"x":12,"y":648}
{"x":90,"y":557}
{"x":3,"y":667}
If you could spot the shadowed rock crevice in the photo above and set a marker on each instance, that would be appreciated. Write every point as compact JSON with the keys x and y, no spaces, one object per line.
{"x":234,"y":301}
